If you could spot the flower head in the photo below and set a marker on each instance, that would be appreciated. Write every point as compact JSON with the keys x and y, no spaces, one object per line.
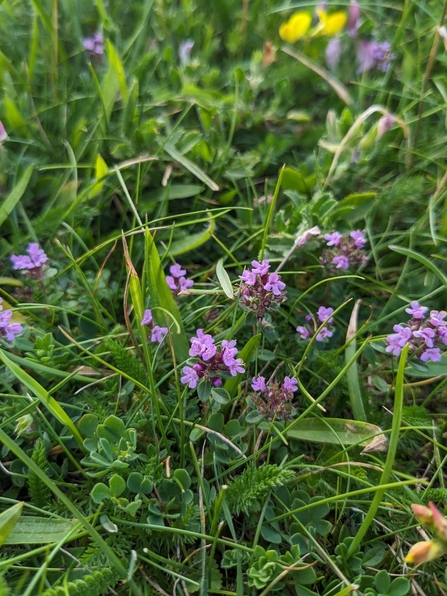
{"x":341,"y":262}
{"x":359,"y":238}
{"x":258,"y":384}
{"x":333,"y":239}
{"x":202,"y":346}
{"x":94,"y":44}
{"x":158,"y":334}
{"x":33,"y":261}
{"x":274,"y":284}
{"x":260,"y":268}
{"x":306,"y":236}
{"x":290,"y":384}
{"x":333,"y":52}
{"x":147,"y":317}
{"x":324,"y":313}
{"x":296,"y":27}
{"x":190,"y":377}
{"x":261,"y":291}
{"x":9,"y":330}
{"x":330,"y":24}
{"x":176,"y":281}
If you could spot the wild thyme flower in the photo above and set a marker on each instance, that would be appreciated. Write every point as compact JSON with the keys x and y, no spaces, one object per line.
{"x":345,"y":251}
{"x":32,"y":262}
{"x":176,"y":281}
{"x":374,"y":54}
{"x":425,"y":337}
{"x":213,"y":364}
{"x":9,"y":330}
{"x":157,"y":333}
{"x":94,"y":44}
{"x":261,"y":291}
{"x":323,"y":315}
{"x":272,"y":398}
{"x":184,"y":51}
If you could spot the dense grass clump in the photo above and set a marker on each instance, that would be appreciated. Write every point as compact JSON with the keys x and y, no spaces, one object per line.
{"x":223,"y":321}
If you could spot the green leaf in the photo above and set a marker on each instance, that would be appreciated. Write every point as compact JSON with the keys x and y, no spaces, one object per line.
{"x":101,"y":170}
{"x":100,"y":492}
{"x":293,"y":180}
{"x":174,"y":191}
{"x":399,"y":587}
{"x":40,"y":530}
{"x":117,"y":66}
{"x":15,"y":195}
{"x":8,"y":520}
{"x":423,"y":260}
{"x":14,"y":118}
{"x":117,"y":485}
{"x":224,"y":279}
{"x":382,"y":581}
{"x":336,"y":430}
{"x":355,"y":206}
{"x":193,"y":241}
{"x":189,"y":165}
{"x":46,"y":399}
{"x":161,"y":295}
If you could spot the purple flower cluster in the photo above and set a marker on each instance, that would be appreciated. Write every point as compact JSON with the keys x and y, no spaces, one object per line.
{"x":273,"y":399}
{"x":213,"y":364}
{"x":94,"y":44}
{"x":260,"y":290}
{"x":31,"y":262}
{"x":9,"y":330}
{"x":323,"y":316}
{"x":176,"y":281}
{"x":157,"y":333}
{"x":374,"y":54}
{"x":345,"y":251}
{"x":425,"y":336}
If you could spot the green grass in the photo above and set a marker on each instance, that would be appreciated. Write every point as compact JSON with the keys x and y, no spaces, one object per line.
{"x":118,"y":478}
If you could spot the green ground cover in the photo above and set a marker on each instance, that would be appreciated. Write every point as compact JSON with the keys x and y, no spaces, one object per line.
{"x":222,"y":328}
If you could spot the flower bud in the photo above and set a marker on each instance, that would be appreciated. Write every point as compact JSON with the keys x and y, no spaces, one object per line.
{"x":423,"y":552}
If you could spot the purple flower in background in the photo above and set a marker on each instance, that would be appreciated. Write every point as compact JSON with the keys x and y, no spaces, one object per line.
{"x":190,"y":377}
{"x":353,"y":18}
{"x":424,"y":336}
{"x":147,"y":317}
{"x":94,"y":44}
{"x":176,"y":270}
{"x":333,"y":239}
{"x":303,"y":331}
{"x":373,"y":54}
{"x":323,"y":334}
{"x":324,"y":313}
{"x":417,"y":311}
{"x":32,"y":262}
{"x":184,"y":51}
{"x":290,"y":384}
{"x":306,"y":236}
{"x":158,"y":334}
{"x":323,"y":316}
{"x":9,"y":330}
{"x":333,"y":52}
{"x":3,"y":133}
{"x":385,"y":124}
{"x":272,"y":398}
{"x":433,"y":354}
{"x":176,"y":281}
{"x":359,"y":238}
{"x":341,"y":261}
{"x":345,"y":251}
{"x":258,"y":384}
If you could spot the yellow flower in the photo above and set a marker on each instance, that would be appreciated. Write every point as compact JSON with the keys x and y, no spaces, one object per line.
{"x":423,"y":552}
{"x":330,"y":24}
{"x":296,"y":27}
